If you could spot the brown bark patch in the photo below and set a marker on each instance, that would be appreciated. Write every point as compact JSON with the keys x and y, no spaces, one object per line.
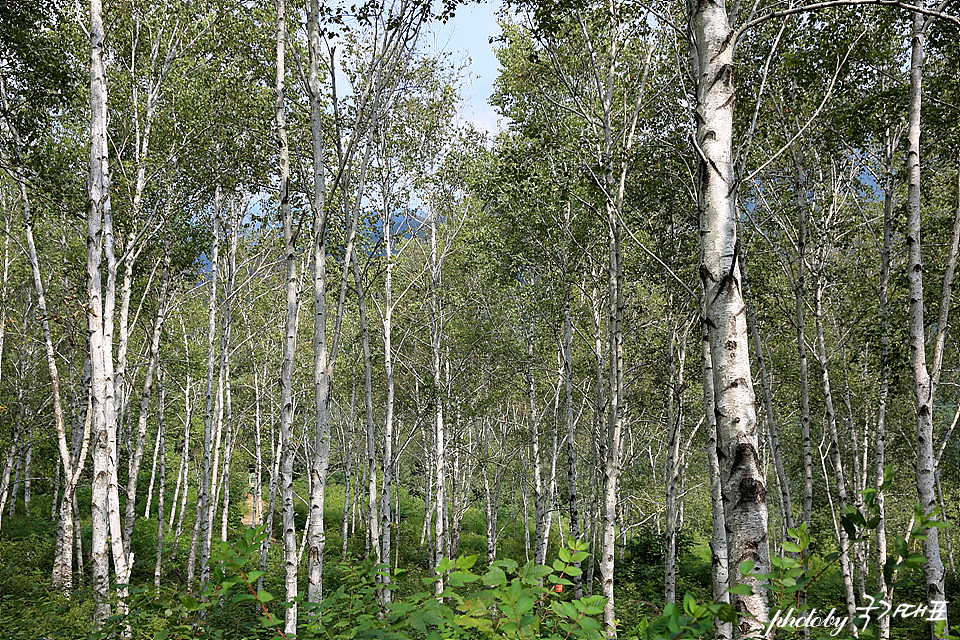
{"x":752,"y":491}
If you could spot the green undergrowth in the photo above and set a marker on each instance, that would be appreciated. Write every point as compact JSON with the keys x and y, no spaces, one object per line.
{"x":506,"y":600}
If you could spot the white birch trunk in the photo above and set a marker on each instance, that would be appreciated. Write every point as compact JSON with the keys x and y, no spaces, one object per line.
{"x":436,"y":323}
{"x":290,"y":334}
{"x":388,"y":462}
{"x":105,"y":499}
{"x":316,"y":540}
{"x":161,"y":490}
{"x":743,"y":482}
{"x":924,"y":380}
{"x":203,"y":524}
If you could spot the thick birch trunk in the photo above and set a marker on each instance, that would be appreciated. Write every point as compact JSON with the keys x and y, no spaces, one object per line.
{"x":743,"y":482}
{"x":105,"y":499}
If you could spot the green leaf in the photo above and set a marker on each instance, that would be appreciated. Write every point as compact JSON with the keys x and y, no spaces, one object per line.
{"x":741,"y":589}
{"x":901,"y":546}
{"x":746,"y":567}
{"x":465,"y":563}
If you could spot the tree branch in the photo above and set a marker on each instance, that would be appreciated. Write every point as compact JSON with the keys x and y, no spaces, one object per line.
{"x":737,"y":33}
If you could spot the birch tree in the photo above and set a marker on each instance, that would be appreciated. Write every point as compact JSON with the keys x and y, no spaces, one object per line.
{"x":743,"y":483}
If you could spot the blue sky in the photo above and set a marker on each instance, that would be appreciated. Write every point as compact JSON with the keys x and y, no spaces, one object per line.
{"x":468,"y":34}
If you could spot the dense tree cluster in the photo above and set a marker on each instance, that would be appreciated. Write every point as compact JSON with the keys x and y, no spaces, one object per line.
{"x":691,"y":308}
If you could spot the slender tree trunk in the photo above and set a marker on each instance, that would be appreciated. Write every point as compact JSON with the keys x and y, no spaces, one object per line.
{"x":490,"y":506}
{"x":8,"y":468}
{"x":227,"y":454}
{"x":27,"y":459}
{"x":373,"y":518}
{"x":316,"y":540}
{"x":133,"y":465}
{"x":550,"y":500}
{"x":272,"y":499}
{"x":719,"y":561}
{"x":840,"y":482}
{"x":924,"y":380}
{"x":161,"y":408}
{"x":571,"y":433}
{"x":600,"y":407}
{"x":290,"y":335}
{"x":674,"y":420}
{"x":185,"y":464}
{"x":879,"y":454}
{"x":62,"y":549}
{"x":946,"y":531}
{"x":153,"y":477}
{"x":539,"y":503}
{"x":766,"y":384}
{"x":203,"y":525}
{"x":611,"y":461}
{"x":388,"y":462}
{"x":436,"y":325}
{"x":225,"y":397}
{"x":258,"y":453}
